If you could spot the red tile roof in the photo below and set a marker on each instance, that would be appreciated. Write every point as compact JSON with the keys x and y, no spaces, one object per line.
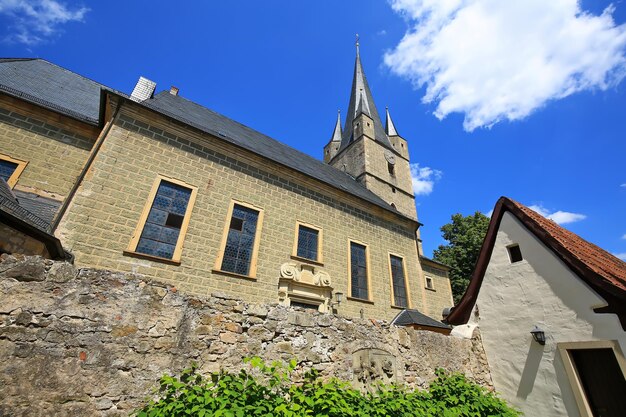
{"x":603,"y":272}
{"x":607,"y":267}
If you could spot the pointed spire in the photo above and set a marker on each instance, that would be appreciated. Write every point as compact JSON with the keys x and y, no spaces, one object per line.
{"x":390,"y":129}
{"x":337,"y":132}
{"x":363,"y":107}
{"x":361,"y":98}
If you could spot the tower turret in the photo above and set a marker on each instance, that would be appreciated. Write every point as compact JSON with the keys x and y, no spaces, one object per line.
{"x":332,"y":147}
{"x":397,"y":142}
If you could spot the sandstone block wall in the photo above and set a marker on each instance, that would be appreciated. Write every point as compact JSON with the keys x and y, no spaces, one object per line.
{"x":380,"y":178}
{"x":440,"y":296}
{"x":93,"y":342}
{"x":55,"y":155}
{"x":140,"y":145}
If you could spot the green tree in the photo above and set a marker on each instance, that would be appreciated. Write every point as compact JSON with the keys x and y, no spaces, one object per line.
{"x":465,"y":235}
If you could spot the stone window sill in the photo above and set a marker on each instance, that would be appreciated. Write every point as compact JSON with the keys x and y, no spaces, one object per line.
{"x":306,"y":260}
{"x":360,"y":300}
{"x":398,"y":307}
{"x":431,"y":289}
{"x":232,"y":274}
{"x":151,"y":258}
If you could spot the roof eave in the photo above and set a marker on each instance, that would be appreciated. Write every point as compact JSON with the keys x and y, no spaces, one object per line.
{"x":47,"y":105}
{"x":52,"y":244}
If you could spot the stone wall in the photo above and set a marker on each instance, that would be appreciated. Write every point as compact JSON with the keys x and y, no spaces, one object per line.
{"x":93,"y":342}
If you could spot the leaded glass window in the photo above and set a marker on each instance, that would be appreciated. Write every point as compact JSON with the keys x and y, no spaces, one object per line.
{"x":308,"y":241}
{"x":399,"y":284}
{"x":162,"y":228}
{"x":7,"y":168}
{"x":240,"y":240}
{"x":358,"y":271}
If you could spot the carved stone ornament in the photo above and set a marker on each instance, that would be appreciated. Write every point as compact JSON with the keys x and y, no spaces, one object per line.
{"x":304,"y":284}
{"x":290,"y":270}
{"x":322,"y":279}
{"x":371,"y":366}
{"x":390,"y":157}
{"x":305,"y":273}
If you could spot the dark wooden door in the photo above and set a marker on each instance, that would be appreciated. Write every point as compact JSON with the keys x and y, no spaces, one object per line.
{"x":602,"y":380}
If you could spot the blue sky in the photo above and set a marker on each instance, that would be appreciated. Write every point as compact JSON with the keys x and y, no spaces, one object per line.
{"x":523,"y":99}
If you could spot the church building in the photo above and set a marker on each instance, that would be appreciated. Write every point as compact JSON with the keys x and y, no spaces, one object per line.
{"x":160,"y":186}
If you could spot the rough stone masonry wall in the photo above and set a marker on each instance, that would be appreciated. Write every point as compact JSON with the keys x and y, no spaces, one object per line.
{"x":93,"y":342}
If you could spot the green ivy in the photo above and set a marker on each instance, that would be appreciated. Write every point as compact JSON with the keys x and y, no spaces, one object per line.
{"x":266,"y":391}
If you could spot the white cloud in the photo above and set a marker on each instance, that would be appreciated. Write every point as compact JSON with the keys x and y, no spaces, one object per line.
{"x":494,"y":60}
{"x":623,"y":185}
{"x":624,"y":237}
{"x":560,"y":217}
{"x":424,"y":179}
{"x":622,"y":255}
{"x":36,"y":20}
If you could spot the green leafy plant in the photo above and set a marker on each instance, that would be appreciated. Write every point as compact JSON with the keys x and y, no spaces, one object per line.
{"x":266,"y":390}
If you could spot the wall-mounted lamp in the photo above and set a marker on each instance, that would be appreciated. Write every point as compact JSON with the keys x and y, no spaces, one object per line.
{"x":539,"y":335}
{"x":338,"y":299}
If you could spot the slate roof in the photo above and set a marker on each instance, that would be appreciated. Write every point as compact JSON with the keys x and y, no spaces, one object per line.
{"x":10,"y":206}
{"x":42,"y":207}
{"x":234,"y":132}
{"x":6,"y":192}
{"x":603,"y":272}
{"x":361,"y":98}
{"x":55,"y":88}
{"x":408,"y":317}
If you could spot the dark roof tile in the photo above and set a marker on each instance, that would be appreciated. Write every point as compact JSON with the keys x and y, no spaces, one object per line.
{"x":408,"y":317}
{"x":52,"y":87}
{"x":42,"y":207}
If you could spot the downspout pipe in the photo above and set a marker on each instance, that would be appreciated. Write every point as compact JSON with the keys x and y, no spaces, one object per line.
{"x":83,"y":173}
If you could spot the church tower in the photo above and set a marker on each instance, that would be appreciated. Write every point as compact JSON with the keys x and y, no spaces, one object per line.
{"x":375,"y":155}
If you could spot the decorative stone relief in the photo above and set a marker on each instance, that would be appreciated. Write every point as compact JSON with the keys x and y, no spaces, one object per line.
{"x":371,"y":366}
{"x":304,"y":284}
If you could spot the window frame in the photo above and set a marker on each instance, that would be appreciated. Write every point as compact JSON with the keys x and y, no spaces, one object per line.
{"x":572,"y":373}
{"x":320,"y":241}
{"x":368,"y":273}
{"x":406,"y":281}
{"x":18,"y":169}
{"x":134,"y":241}
{"x":432,"y":281}
{"x":255,"y":246}
{"x":510,"y":248}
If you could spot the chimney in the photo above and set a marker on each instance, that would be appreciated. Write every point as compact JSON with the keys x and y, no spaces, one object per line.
{"x":143,"y":90}
{"x":174,"y":91}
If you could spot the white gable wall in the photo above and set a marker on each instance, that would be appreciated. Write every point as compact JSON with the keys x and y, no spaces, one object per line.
{"x":538,"y":290}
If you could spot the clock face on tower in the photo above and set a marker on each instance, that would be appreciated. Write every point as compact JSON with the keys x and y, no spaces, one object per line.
{"x":390,"y":157}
